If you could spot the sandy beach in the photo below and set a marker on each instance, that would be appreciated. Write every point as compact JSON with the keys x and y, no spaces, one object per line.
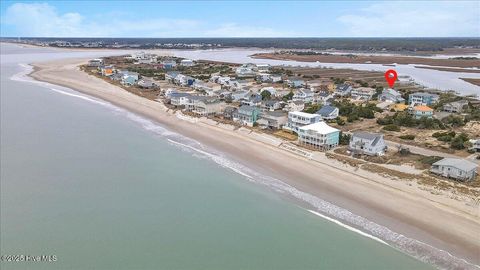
{"x":438,"y":220}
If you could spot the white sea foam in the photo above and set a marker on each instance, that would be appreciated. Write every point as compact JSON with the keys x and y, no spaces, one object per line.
{"x":342,"y":217}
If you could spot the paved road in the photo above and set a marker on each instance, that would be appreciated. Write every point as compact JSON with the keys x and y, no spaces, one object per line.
{"x":420,"y":150}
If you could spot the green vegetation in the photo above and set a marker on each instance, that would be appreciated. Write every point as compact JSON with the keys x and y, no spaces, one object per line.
{"x":404,"y":119}
{"x":457,"y":141}
{"x":355,"y":112}
{"x":407,"y":137}
{"x":313,"y":108}
{"x":429,"y":159}
{"x":391,"y":127}
{"x":344,"y":138}
{"x":340,"y":121}
{"x":266,"y":95}
{"x":288,"y":96}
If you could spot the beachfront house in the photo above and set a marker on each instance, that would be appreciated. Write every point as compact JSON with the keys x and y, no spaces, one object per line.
{"x":305,"y":95}
{"x":204,"y":106}
{"x":147,"y":83}
{"x":246,"y":115}
{"x":328,"y":112}
{"x":456,"y":106}
{"x":421,"y":111}
{"x":300,"y":119}
{"x":456,"y":168}
{"x":107,"y":70}
{"x":272,"y":120}
{"x":365,"y":143}
{"x":421,"y":98}
{"x":294,"y":106}
{"x":362,"y":93}
{"x":319,"y":136}
{"x":179,"y":99}
{"x":129,"y":78}
{"x":391,"y":95}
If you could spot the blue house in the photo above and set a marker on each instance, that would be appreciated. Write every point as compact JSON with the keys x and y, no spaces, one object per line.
{"x":420,"y":98}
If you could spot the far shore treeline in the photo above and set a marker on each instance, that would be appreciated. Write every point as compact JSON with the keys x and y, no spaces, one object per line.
{"x":355,"y":44}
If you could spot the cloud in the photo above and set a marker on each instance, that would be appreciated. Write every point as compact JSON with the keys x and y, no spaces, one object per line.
{"x":43,"y":20}
{"x":235,"y":30}
{"x":414,"y":19}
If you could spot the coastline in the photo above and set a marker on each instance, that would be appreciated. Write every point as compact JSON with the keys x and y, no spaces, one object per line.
{"x":411,"y":212}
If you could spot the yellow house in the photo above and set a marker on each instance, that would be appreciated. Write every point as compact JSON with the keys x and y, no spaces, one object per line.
{"x":400,"y":107}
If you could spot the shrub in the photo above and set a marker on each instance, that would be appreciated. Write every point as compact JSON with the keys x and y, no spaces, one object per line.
{"x":430,"y":159}
{"x":340,"y":121}
{"x":446,"y":138}
{"x":391,"y":128}
{"x":407,"y":137}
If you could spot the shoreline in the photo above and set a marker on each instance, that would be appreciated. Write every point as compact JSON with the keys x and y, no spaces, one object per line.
{"x":416,"y":214}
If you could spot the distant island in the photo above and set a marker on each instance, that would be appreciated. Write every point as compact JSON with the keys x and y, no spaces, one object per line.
{"x":407,"y":45}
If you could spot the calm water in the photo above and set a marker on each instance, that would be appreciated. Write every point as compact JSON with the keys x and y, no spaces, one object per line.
{"x":101,"y":189}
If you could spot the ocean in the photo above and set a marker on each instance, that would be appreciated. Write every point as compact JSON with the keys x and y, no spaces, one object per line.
{"x":101,"y":188}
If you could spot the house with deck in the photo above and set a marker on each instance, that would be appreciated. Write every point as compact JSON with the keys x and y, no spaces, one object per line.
{"x":300,"y":119}
{"x":318,"y":135}
{"x":456,"y":106}
{"x":272,"y":120}
{"x":455,"y":168}
{"x":294,"y":106}
{"x":343,"y":90}
{"x":179,"y":99}
{"x":362,"y":93}
{"x":305,"y":95}
{"x":391,"y":95}
{"x":204,"y":106}
{"x":421,"y":98}
{"x":421,"y":111}
{"x":246,"y":115}
{"x":366,"y":143}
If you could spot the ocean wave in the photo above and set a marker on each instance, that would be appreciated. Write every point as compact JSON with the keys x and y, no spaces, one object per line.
{"x":342,"y":217}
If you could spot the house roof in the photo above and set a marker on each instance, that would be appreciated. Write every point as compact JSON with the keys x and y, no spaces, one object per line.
{"x":247,"y":109}
{"x":326,"y":110}
{"x":423,"y":108}
{"x":459,"y":163}
{"x":375,"y":137}
{"x":320,"y":127}
{"x":179,"y":95}
{"x":304,"y":114}
{"x":423,"y":94}
{"x":343,"y":87}
{"x":392,"y":92}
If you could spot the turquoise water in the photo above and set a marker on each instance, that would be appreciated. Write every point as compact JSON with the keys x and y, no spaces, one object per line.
{"x":86,"y":183}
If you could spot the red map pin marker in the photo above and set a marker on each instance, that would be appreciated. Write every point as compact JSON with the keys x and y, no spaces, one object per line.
{"x":391,"y":77}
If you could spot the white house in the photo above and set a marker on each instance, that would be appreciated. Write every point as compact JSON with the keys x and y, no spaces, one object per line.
{"x":300,"y":119}
{"x":371,"y":144}
{"x":187,"y":63}
{"x":319,"y":136}
{"x":179,"y":99}
{"x":295,"y":106}
{"x":362,"y":93}
{"x":456,"y":168}
{"x":391,"y":95}
{"x":305,"y":95}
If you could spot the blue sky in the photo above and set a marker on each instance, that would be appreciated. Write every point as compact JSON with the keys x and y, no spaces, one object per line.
{"x":240,"y":19}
